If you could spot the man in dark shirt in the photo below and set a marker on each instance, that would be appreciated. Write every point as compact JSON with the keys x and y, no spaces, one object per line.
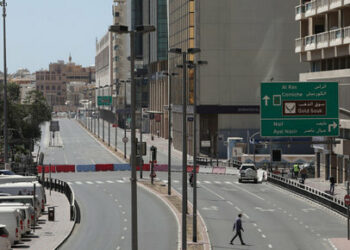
{"x":238,"y":226}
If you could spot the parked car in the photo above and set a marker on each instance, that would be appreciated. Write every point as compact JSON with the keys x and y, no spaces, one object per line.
{"x":28,"y":214}
{"x":4,"y":238}
{"x":12,"y":219}
{"x":25,"y":199}
{"x":6,"y":172}
{"x":248,"y":172}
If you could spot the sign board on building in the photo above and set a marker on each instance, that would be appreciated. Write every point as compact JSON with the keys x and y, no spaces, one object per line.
{"x":104,"y":100}
{"x":299,"y":109}
{"x":205,"y":144}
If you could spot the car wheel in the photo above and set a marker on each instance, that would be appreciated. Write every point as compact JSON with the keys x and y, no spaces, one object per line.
{"x":239,"y":180}
{"x":255,"y":180}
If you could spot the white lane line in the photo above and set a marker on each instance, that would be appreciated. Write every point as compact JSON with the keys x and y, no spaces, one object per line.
{"x":257,"y":196}
{"x":110,"y":194}
{"x":109,"y":181}
{"x":255,"y":225}
{"x":70,"y":183}
{"x":118,"y":248}
{"x":245,"y":215}
{"x":306,"y":226}
{"x":259,"y":230}
{"x":214,"y":193}
{"x":198,"y":182}
{"x":217,"y":182}
{"x":123,"y":212}
{"x":89,"y":182}
{"x":120,"y":206}
{"x":290,"y":215}
{"x":120,"y":181}
{"x":263,"y":235}
{"x":229,"y":202}
{"x":270,"y":246}
{"x":295,"y":218}
{"x":78,"y":182}
{"x":318,"y":235}
{"x":165,"y":181}
{"x":207,"y":182}
{"x":99,"y":182}
{"x":238,"y":209}
{"x":228,"y":182}
{"x":175,"y":181}
{"x":116,"y":200}
{"x":122,"y":237}
{"x":125,"y":220}
{"x":125,"y":228}
{"x":301,"y":223}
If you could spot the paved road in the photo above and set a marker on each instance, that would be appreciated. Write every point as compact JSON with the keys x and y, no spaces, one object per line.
{"x":162,"y":158}
{"x":273,"y":218}
{"x":105,"y":200}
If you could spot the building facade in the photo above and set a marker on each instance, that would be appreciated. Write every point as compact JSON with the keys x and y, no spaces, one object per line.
{"x":244,"y":43}
{"x":53,"y":82}
{"x":324,"y":42}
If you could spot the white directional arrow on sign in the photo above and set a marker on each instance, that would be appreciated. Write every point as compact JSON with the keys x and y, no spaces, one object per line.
{"x":265,"y":210}
{"x":333,"y":125}
{"x":266,"y":99}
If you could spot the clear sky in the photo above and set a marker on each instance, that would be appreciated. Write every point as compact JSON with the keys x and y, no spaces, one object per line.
{"x":42,"y":31}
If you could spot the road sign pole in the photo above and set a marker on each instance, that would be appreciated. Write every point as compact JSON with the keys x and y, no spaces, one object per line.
{"x":347,"y":191}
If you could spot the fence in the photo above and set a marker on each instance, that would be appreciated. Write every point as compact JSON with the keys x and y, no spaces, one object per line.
{"x":65,"y":188}
{"x":310,"y":193}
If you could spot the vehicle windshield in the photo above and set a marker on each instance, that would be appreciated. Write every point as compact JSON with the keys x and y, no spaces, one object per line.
{"x":244,"y":167}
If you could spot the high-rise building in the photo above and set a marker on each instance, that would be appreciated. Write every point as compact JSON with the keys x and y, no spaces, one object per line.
{"x":323,"y":42}
{"x":245,"y":43}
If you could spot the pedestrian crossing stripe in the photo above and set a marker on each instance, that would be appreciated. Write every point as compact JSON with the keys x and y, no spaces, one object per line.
{"x":99,"y":182}
{"x":89,"y":182}
{"x":109,"y":181}
{"x":78,"y":182}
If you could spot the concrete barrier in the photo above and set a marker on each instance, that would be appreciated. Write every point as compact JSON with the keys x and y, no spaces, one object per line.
{"x":85,"y":168}
{"x":190,"y":169}
{"x":219,"y":170}
{"x":205,"y":170}
{"x":231,"y":170}
{"x":121,"y":167}
{"x":65,"y":168}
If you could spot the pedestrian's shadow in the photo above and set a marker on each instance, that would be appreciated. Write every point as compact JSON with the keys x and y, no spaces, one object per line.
{"x":235,"y":246}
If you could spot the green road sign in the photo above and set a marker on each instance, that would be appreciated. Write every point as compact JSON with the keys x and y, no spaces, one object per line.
{"x":299,"y":109}
{"x":104,"y":100}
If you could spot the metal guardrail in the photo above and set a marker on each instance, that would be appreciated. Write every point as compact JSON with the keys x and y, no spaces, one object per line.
{"x":310,"y":193}
{"x":65,"y":188}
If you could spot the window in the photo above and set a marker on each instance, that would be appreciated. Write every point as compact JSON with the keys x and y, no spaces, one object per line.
{"x":47,"y":88}
{"x":53,"y":87}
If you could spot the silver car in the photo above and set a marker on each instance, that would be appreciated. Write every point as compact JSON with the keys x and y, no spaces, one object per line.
{"x":248,"y":172}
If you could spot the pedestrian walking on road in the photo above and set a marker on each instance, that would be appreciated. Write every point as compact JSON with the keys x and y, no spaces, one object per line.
{"x":238,"y":227}
{"x":332,"y":184}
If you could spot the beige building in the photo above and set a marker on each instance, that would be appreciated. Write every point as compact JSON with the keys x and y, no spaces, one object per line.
{"x":53,"y":82}
{"x":245,"y":43}
{"x":324,"y":43}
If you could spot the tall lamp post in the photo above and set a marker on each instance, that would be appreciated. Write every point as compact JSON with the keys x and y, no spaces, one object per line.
{"x":194,"y":67}
{"x":120,"y":29}
{"x":116,"y":115}
{"x":170,"y":75}
{"x":124,"y":140}
{"x":184,"y":139}
{"x":3,"y":4}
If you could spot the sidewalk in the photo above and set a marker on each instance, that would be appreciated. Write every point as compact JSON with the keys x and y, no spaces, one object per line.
{"x":48,"y":235}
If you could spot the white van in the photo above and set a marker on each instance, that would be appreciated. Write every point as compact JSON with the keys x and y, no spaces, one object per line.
{"x":29,"y":214}
{"x":4,"y":238}
{"x":25,"y":188}
{"x":12,"y":219}
{"x":16,"y":178}
{"x":25,"y":199}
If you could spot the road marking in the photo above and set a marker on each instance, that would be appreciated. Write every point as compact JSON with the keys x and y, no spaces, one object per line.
{"x":318,"y":235}
{"x":290,"y":215}
{"x":207,"y":182}
{"x":214,"y":193}
{"x":198,"y":182}
{"x":229,"y":202}
{"x":116,"y":200}
{"x":118,"y":247}
{"x":89,"y":182}
{"x":301,"y":223}
{"x":308,"y":209}
{"x":123,"y":212}
{"x":125,"y":228}
{"x":125,"y":220}
{"x":78,"y":182}
{"x":122,"y":237}
{"x":120,"y":206}
{"x":228,"y":182}
{"x":110,"y":181}
{"x":254,"y":224}
{"x":99,"y":182}
{"x":259,"y":230}
{"x":270,"y":246}
{"x":295,"y":218}
{"x":306,"y":226}
{"x":120,"y":181}
{"x":211,"y":208}
{"x":257,"y":196}
{"x":70,"y":183}
{"x":175,"y":181}
{"x":217,"y":182}
{"x":265,"y":210}
{"x":263,"y":235}
{"x":238,"y":209}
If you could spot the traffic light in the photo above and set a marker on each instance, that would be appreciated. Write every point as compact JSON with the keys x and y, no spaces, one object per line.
{"x":154,"y":153}
{"x":276,"y":155}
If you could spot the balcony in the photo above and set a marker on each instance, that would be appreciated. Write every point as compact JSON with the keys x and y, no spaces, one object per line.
{"x":310,"y":8}
{"x":310,"y":42}
{"x":335,"y":4}
{"x":322,"y":40}
{"x":322,"y":6}
{"x":346,"y":34}
{"x":299,"y":12}
{"x":335,"y":37}
{"x":299,"y":45}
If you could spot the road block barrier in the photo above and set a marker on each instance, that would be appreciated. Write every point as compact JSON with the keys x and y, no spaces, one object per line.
{"x":121,"y":167}
{"x":46,"y":169}
{"x":219,"y":170}
{"x":205,"y":170}
{"x":85,"y":168}
{"x":65,"y":168}
{"x":190,"y":169}
{"x":160,"y":167}
{"x":104,"y":167}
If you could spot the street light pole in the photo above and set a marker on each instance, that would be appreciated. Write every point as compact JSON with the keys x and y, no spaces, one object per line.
{"x":116,"y":117}
{"x":125,"y":120}
{"x":5,"y":87}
